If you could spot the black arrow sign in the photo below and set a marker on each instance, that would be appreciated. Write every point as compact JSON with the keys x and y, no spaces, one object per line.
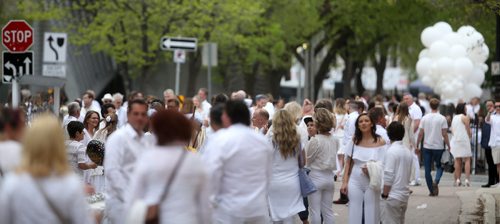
{"x":52,"y":47}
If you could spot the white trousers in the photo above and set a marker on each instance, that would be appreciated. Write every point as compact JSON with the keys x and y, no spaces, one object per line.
{"x":416,"y":165}
{"x":320,"y":202}
{"x":223,"y":217}
{"x":393,"y":211}
{"x":359,"y":191}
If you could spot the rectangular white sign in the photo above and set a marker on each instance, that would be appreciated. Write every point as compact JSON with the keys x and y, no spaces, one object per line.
{"x":54,"y":70}
{"x":54,"y":47}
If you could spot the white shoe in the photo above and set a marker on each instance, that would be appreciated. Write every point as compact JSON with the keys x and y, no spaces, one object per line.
{"x":414,"y":183}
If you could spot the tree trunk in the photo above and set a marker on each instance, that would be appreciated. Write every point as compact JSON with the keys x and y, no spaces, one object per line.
{"x":123,"y":70}
{"x":380,"y":66}
{"x":274,"y":77}
{"x":358,"y":72}
{"x":250,"y":79}
{"x":323,"y":71}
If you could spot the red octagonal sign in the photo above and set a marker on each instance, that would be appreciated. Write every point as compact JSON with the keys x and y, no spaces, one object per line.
{"x":17,"y":36}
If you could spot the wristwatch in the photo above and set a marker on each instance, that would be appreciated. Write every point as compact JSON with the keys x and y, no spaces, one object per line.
{"x":384,"y":196}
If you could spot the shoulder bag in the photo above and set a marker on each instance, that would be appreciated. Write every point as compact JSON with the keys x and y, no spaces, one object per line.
{"x":307,"y":187}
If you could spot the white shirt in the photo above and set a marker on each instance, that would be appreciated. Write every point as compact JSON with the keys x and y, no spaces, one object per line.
{"x":10,"y":155}
{"x":495,"y":130}
{"x":76,"y":154}
{"x":415,"y":112}
{"x":472,"y":110}
{"x":270,"y":109}
{"x":84,"y":111}
{"x":432,"y":124}
{"x":123,"y":147}
{"x":350,"y":127}
{"x":397,"y":170}
{"x":240,"y":163}
{"x":21,"y":201}
{"x":205,"y":106}
{"x":426,"y":105}
{"x":122,"y":115}
{"x":66,"y":121}
{"x":383,"y":133}
{"x":187,"y":200}
{"x":321,"y":152}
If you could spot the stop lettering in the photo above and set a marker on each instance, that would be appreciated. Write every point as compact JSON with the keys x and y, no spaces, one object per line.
{"x":17,"y":36}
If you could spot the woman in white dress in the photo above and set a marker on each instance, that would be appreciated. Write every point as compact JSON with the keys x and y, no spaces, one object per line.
{"x":43,"y":189}
{"x":284,"y":197}
{"x":341,"y":118}
{"x":169,"y":180}
{"x":366,"y":147}
{"x":460,"y":144}
{"x":402,"y":115}
{"x":321,"y":153}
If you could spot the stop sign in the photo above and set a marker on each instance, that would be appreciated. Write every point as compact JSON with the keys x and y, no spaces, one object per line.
{"x":17,"y":36}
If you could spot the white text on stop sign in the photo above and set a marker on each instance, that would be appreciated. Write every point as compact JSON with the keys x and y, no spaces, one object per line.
{"x":16,"y":36}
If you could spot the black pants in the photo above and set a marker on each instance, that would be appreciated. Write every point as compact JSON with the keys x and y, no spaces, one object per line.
{"x":305,"y":214}
{"x":492,"y":168}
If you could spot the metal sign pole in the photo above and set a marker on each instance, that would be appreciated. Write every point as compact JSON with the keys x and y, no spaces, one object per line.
{"x":57,"y":98}
{"x":177,"y":77}
{"x":209,"y":72}
{"x":15,"y":93}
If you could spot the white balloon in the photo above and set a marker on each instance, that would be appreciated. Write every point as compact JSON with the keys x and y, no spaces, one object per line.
{"x":453,"y":39}
{"x":472,"y":90}
{"x":424,"y":53}
{"x":463,"y":66}
{"x":445,"y":66}
{"x":458,"y":51}
{"x":444,"y":27}
{"x":477,"y":38}
{"x":424,"y":67}
{"x":466,"y":30}
{"x":439,"y":49}
{"x":427,"y":80}
{"x":429,"y":36}
{"x":477,"y":76}
{"x":484,"y":67}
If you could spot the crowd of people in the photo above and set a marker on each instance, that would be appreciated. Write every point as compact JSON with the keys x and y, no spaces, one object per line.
{"x":235,"y":159}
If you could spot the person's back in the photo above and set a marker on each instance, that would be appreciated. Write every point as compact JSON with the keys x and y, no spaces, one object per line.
{"x":401,"y":159}
{"x":10,"y":155}
{"x":458,"y":129}
{"x":27,"y":203}
{"x":245,"y":159}
{"x":187,"y":199}
{"x":433,"y":123}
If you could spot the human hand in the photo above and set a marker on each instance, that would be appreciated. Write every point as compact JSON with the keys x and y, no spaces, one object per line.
{"x":343,"y":188}
{"x":89,"y":189}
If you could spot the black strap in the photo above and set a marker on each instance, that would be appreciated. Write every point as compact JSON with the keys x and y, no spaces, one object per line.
{"x":172,"y":176}
{"x":56,"y":211}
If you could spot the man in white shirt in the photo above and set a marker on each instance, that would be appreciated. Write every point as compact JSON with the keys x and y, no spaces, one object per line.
{"x":73,"y":115}
{"x":205,"y":105}
{"x":397,"y":173}
{"x":415,"y":115}
{"x":377,"y":114}
{"x":123,"y":147}
{"x":240,"y":163}
{"x":435,"y":129}
{"x":87,"y":105}
{"x":260,"y":117}
{"x":422,"y":100}
{"x":494,"y":120}
{"x":11,"y":130}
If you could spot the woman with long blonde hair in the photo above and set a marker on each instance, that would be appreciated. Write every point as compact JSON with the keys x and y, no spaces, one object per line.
{"x":285,"y":199}
{"x":43,"y":189}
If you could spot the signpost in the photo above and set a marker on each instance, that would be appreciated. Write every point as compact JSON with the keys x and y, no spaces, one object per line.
{"x":209,"y":59}
{"x":17,"y":37}
{"x":179,"y":45}
{"x":54,"y":54}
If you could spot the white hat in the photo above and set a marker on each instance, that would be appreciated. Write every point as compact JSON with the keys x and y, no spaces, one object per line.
{"x":107,"y":96}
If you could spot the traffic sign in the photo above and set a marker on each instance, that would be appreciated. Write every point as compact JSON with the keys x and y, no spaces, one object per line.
{"x":179,"y":56}
{"x":16,"y":65}
{"x":179,"y":43}
{"x":17,"y":36}
{"x":54,"y":47}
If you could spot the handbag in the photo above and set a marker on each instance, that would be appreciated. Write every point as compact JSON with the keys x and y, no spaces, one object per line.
{"x":447,"y":162}
{"x":307,"y":187}
{"x":139,"y":211}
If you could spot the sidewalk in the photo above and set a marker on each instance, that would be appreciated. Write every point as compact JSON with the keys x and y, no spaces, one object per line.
{"x":453,"y":205}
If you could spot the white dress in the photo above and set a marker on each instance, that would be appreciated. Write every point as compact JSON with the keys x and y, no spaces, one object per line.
{"x":339,"y":132}
{"x":284,"y":195}
{"x":460,"y":141}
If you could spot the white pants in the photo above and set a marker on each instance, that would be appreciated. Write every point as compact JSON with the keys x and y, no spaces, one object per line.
{"x":359,"y":191}
{"x":320,"y":202}
{"x":223,"y":217}
{"x":289,"y":220}
{"x":416,"y":167}
{"x":393,"y":211}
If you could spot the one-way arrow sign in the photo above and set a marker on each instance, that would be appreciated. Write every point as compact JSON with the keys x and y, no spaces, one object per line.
{"x":179,"y":43}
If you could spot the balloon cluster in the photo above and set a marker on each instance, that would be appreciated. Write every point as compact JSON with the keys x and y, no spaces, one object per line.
{"x":452,"y":63}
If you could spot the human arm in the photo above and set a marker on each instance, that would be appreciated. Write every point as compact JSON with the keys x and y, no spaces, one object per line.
{"x":444,"y":133}
{"x":416,"y":125}
{"x":115,"y":179}
{"x":347,"y":167}
{"x":83,"y":164}
{"x":389,"y":173}
{"x":419,"y":139}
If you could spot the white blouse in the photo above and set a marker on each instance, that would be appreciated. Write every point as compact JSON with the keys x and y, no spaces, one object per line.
{"x":21,"y":201}
{"x":321,"y":152}
{"x":187,"y":200}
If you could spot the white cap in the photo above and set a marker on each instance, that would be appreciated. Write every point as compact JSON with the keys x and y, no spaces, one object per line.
{"x":107,"y":96}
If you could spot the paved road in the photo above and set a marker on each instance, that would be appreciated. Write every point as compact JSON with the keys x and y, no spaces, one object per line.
{"x":440,"y":210}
